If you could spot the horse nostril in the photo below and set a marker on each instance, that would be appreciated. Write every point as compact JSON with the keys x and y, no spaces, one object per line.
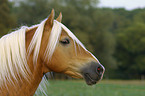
{"x":99,"y":70}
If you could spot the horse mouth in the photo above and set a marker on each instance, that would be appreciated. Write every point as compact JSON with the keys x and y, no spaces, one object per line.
{"x":89,"y":80}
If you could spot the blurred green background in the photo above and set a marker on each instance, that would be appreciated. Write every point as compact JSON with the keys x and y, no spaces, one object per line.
{"x":104,"y":88}
{"x":115,"y":36}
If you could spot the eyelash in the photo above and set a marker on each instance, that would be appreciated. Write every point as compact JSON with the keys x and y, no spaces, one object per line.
{"x":65,"y":41}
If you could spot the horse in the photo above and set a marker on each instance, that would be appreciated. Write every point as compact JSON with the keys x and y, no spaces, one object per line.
{"x":29,"y":52}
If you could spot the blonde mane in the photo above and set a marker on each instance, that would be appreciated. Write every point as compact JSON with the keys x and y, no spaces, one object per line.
{"x":13,"y":61}
{"x":13,"y":55}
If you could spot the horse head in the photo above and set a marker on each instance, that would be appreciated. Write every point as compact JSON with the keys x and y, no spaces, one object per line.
{"x":62,"y":52}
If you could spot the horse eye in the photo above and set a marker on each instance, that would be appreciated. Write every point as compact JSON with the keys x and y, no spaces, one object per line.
{"x":65,"y":41}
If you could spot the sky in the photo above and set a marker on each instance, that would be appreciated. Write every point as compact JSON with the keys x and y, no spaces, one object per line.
{"x":127,"y":4}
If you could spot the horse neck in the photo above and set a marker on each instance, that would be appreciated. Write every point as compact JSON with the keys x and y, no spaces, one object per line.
{"x":37,"y":69}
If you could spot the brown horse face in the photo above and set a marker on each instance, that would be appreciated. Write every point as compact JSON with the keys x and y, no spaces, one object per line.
{"x":70,"y":57}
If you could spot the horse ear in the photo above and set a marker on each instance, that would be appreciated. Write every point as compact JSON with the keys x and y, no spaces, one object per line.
{"x":59,"y":18}
{"x":50,"y":18}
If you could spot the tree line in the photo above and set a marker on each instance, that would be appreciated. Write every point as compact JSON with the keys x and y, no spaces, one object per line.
{"x":115,"y":36}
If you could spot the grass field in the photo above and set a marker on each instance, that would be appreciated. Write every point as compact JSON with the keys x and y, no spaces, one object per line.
{"x":103,"y":88}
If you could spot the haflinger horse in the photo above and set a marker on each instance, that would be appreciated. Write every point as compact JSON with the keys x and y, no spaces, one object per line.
{"x":30,"y":52}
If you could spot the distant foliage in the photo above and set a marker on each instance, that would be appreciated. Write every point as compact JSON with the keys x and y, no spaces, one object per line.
{"x":7,"y":20}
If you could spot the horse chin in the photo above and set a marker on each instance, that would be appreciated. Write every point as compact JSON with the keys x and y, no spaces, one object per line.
{"x":89,"y":80}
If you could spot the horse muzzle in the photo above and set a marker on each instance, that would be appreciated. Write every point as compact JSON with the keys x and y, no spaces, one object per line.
{"x":92,"y":73}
